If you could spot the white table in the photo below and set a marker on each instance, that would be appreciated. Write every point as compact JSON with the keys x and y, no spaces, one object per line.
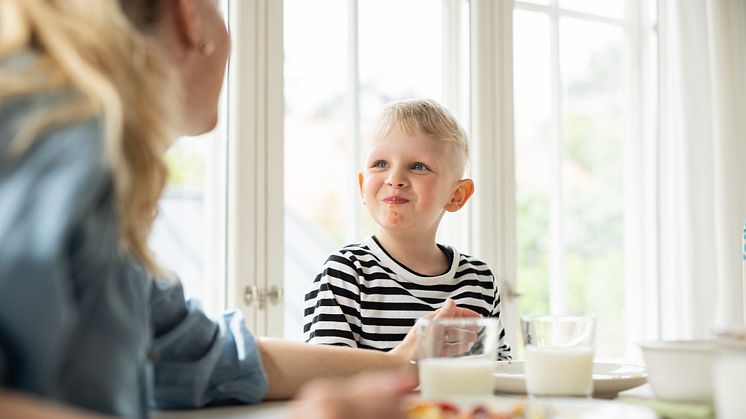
{"x":267,"y":410}
{"x":281,"y":410}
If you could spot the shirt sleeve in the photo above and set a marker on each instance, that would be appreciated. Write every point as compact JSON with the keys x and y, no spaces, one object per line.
{"x":44,"y":193}
{"x":503,"y":349}
{"x":332,"y":305}
{"x":198,"y":361}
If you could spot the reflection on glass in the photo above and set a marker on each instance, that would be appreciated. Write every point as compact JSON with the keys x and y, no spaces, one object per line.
{"x":533,"y":151}
{"x":607,"y":8}
{"x":592,"y":62}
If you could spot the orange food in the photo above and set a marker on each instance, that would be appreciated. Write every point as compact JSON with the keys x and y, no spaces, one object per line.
{"x":445,"y":410}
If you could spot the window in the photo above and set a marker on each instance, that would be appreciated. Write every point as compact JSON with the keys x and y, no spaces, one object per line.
{"x":578,"y":71}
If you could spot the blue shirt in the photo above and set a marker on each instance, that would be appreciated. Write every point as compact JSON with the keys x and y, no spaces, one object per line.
{"x":81,"y":322}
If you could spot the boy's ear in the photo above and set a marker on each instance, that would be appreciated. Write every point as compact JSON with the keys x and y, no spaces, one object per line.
{"x":463,"y":192}
{"x":360,"y":179}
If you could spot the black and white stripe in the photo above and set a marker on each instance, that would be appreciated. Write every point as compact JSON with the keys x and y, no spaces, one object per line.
{"x":365,"y":299}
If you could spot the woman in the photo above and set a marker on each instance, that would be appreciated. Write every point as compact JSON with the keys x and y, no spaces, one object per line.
{"x":91,"y":95}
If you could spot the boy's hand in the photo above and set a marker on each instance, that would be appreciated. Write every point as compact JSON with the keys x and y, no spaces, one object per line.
{"x":407,"y":349}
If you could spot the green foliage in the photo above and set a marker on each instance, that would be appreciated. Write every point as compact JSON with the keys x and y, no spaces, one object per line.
{"x":186,"y":164}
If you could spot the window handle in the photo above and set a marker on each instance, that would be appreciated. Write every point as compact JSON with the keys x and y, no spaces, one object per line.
{"x":250,"y":293}
{"x":509,"y":290}
{"x":273,"y":295}
{"x":262,"y":297}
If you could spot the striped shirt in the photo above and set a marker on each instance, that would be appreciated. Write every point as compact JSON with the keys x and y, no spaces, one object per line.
{"x":364,"y":298}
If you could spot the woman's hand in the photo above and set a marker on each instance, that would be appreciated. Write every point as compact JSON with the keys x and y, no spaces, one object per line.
{"x":365,"y":396}
{"x":407,"y":349}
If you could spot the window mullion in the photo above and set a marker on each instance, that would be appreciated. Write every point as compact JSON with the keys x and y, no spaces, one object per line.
{"x":255,"y":174}
{"x":557,"y":295}
{"x":354,"y":230}
{"x":493,"y":157}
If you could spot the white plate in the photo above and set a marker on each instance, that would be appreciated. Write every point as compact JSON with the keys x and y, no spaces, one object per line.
{"x":559,"y":408}
{"x":608,"y":378}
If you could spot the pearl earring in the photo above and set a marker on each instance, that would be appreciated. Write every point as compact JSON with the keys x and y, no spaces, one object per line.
{"x":207,"y":47}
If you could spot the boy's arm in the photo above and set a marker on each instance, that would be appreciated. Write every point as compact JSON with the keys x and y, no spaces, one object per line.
{"x":332,"y":305}
{"x":503,"y":350}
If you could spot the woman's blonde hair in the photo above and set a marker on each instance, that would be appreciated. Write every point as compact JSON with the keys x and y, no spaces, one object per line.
{"x":100,"y":50}
{"x":428,"y":117}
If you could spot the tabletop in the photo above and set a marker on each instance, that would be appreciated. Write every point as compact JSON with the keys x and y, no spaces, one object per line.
{"x":281,"y":409}
{"x":266,"y":410}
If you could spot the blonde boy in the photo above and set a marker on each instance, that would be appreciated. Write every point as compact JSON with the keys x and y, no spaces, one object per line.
{"x":370,"y":294}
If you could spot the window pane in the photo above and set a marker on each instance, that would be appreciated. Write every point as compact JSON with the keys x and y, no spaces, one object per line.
{"x":400,"y":52}
{"x":534,"y":159}
{"x":179,"y":234}
{"x":181,"y":238}
{"x":318,"y":176}
{"x":592,"y":63}
{"x":608,"y":8}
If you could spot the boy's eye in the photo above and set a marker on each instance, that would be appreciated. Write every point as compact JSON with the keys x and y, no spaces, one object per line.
{"x":419,"y":166}
{"x":380,"y":164}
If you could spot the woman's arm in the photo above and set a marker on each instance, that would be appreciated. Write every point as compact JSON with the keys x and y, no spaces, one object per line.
{"x":289,"y":365}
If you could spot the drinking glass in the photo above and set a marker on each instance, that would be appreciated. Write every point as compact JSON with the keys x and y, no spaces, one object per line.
{"x":456,"y":356}
{"x":558,"y":355}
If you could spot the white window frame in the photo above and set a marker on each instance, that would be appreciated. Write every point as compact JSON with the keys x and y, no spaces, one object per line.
{"x":254,"y":212}
{"x":493,"y":223}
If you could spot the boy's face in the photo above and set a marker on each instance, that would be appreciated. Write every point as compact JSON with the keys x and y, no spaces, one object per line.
{"x":409,"y":181}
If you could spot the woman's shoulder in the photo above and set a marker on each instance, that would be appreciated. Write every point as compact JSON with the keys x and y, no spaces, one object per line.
{"x":72,"y":149}
{"x":49,"y":184}
{"x":46,"y":128}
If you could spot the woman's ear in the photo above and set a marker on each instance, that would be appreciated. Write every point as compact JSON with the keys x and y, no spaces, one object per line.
{"x":463,"y":192}
{"x":187,"y":22}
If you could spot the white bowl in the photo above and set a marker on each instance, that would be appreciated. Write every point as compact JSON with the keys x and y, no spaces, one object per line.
{"x":680,"y":370}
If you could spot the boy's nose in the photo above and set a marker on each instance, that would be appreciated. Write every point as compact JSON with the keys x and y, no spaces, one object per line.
{"x":395,"y":182}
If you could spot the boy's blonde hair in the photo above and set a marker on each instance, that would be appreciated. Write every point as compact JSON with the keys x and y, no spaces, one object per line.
{"x":428,"y":117}
{"x":101,"y":50}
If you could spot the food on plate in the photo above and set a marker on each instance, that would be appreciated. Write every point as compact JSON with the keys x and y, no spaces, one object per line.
{"x":446,"y":410}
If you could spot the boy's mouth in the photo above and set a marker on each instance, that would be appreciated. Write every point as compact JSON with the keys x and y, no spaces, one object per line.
{"x":395,"y":200}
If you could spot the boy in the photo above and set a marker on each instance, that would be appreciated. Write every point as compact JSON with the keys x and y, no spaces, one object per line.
{"x":370,"y":294}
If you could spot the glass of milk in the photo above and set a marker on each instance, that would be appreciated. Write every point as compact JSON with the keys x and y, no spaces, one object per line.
{"x":456,"y":356}
{"x":558,"y":355}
